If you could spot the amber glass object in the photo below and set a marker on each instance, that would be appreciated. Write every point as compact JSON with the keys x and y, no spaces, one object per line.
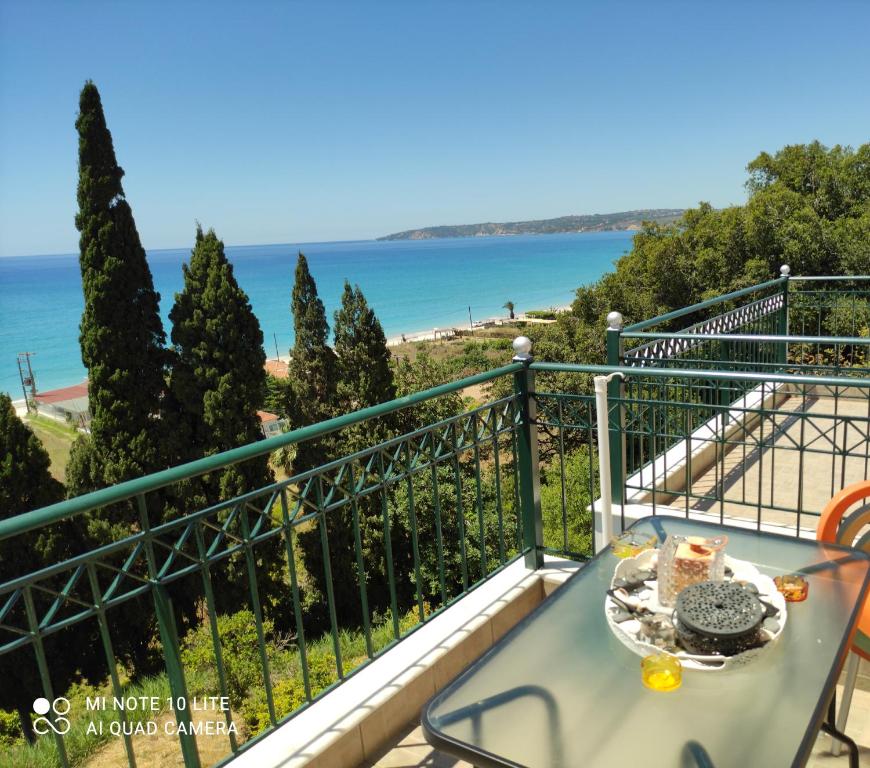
{"x":794,"y":587}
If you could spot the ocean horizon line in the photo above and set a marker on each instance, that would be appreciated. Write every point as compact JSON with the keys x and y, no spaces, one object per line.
{"x":351,"y":241}
{"x":70,"y":254}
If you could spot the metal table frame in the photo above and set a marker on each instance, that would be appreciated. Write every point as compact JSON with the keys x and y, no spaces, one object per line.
{"x":823,"y":717}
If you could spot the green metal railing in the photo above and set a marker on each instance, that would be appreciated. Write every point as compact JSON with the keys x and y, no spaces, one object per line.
{"x":830,"y":306}
{"x":749,"y":330}
{"x":444,"y":461}
{"x":730,"y":339}
{"x":795,"y":324}
{"x":399,"y":530}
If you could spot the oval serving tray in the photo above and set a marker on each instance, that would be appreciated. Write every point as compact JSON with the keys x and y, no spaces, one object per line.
{"x":742,"y":570}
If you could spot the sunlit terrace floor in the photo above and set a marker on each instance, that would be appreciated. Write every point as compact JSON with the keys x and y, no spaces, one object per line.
{"x":795,"y":458}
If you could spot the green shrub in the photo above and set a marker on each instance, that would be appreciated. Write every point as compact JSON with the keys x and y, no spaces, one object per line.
{"x":574,"y":533}
{"x":542,"y":314}
{"x":288,"y":690}
{"x":288,"y":694}
{"x":10,"y":728}
{"x":241,"y":655}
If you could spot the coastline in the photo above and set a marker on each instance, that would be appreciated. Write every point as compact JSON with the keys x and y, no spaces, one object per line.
{"x":438,"y":332}
{"x":450,"y":330}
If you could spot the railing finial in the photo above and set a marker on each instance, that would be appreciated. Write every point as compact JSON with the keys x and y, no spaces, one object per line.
{"x":614,"y":321}
{"x":785,"y":270}
{"x":522,"y":349}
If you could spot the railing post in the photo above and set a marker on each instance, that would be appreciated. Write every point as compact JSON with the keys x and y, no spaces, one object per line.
{"x":615,"y":393}
{"x":527,"y":456}
{"x":175,"y":673}
{"x":782,"y":330}
{"x":171,"y":646}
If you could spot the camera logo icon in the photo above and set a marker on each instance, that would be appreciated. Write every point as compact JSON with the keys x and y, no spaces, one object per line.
{"x":60,"y":707}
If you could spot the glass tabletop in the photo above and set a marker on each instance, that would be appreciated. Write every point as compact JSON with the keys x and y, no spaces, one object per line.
{"x":561,"y":690}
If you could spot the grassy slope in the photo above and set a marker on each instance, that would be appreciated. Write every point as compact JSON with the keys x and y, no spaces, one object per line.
{"x":57,"y":438}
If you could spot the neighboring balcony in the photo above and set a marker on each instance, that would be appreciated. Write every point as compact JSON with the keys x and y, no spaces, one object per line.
{"x":751,"y":409}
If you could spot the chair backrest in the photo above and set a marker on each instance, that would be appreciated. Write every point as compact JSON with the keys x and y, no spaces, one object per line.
{"x":843,"y":521}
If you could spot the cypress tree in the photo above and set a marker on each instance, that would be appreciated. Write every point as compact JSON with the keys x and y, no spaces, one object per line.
{"x":365,"y":379}
{"x":25,"y":484}
{"x":218,"y":378}
{"x":313,"y":389}
{"x":123,"y":347}
{"x":312,"y":380}
{"x":122,"y":338}
{"x":218,"y":382}
{"x":365,"y":375}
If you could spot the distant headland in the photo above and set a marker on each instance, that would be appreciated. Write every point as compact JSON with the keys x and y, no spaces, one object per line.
{"x":594,"y":222}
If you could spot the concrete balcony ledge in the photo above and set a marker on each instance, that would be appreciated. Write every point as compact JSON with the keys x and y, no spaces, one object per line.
{"x":356,"y":721}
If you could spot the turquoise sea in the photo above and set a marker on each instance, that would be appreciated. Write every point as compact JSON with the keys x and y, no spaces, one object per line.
{"x":412,"y":285}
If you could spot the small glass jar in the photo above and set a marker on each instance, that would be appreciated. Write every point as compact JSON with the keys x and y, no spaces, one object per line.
{"x":661,"y":672}
{"x":793,"y":586}
{"x":687,"y":560}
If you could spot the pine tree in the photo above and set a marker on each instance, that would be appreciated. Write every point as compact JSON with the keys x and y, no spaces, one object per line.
{"x":218,"y":382}
{"x":121,"y":336}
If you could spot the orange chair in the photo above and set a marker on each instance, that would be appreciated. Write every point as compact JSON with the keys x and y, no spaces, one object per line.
{"x":842,"y":522}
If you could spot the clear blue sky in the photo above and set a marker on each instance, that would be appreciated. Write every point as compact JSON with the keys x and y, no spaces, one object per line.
{"x":285,"y":122}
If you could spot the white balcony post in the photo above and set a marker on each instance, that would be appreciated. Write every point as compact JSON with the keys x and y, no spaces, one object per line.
{"x":603,"y":525}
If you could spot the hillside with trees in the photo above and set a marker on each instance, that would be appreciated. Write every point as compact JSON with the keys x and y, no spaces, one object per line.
{"x":808,"y":207}
{"x":594,"y":222}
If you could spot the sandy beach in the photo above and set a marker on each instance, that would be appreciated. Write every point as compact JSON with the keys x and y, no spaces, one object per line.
{"x":449,"y":332}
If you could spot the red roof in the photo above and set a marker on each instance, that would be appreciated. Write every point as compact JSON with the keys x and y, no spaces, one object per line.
{"x":277,"y":368}
{"x":65,"y":393}
{"x":265,"y":416}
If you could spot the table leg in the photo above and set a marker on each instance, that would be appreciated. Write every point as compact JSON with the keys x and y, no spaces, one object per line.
{"x":848,"y":688}
{"x":831,"y":729}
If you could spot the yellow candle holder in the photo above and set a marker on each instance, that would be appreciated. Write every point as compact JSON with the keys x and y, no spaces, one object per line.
{"x":794,"y":587}
{"x":631,"y":544}
{"x":661,"y":672}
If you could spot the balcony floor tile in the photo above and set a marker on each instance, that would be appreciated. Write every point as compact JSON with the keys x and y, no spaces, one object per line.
{"x":413,"y":751}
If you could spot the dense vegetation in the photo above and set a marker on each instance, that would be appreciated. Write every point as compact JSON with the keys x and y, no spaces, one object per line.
{"x":808,"y":207}
{"x":25,"y":484}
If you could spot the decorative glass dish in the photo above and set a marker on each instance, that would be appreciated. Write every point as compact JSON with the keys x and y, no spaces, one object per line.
{"x":687,"y":560}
